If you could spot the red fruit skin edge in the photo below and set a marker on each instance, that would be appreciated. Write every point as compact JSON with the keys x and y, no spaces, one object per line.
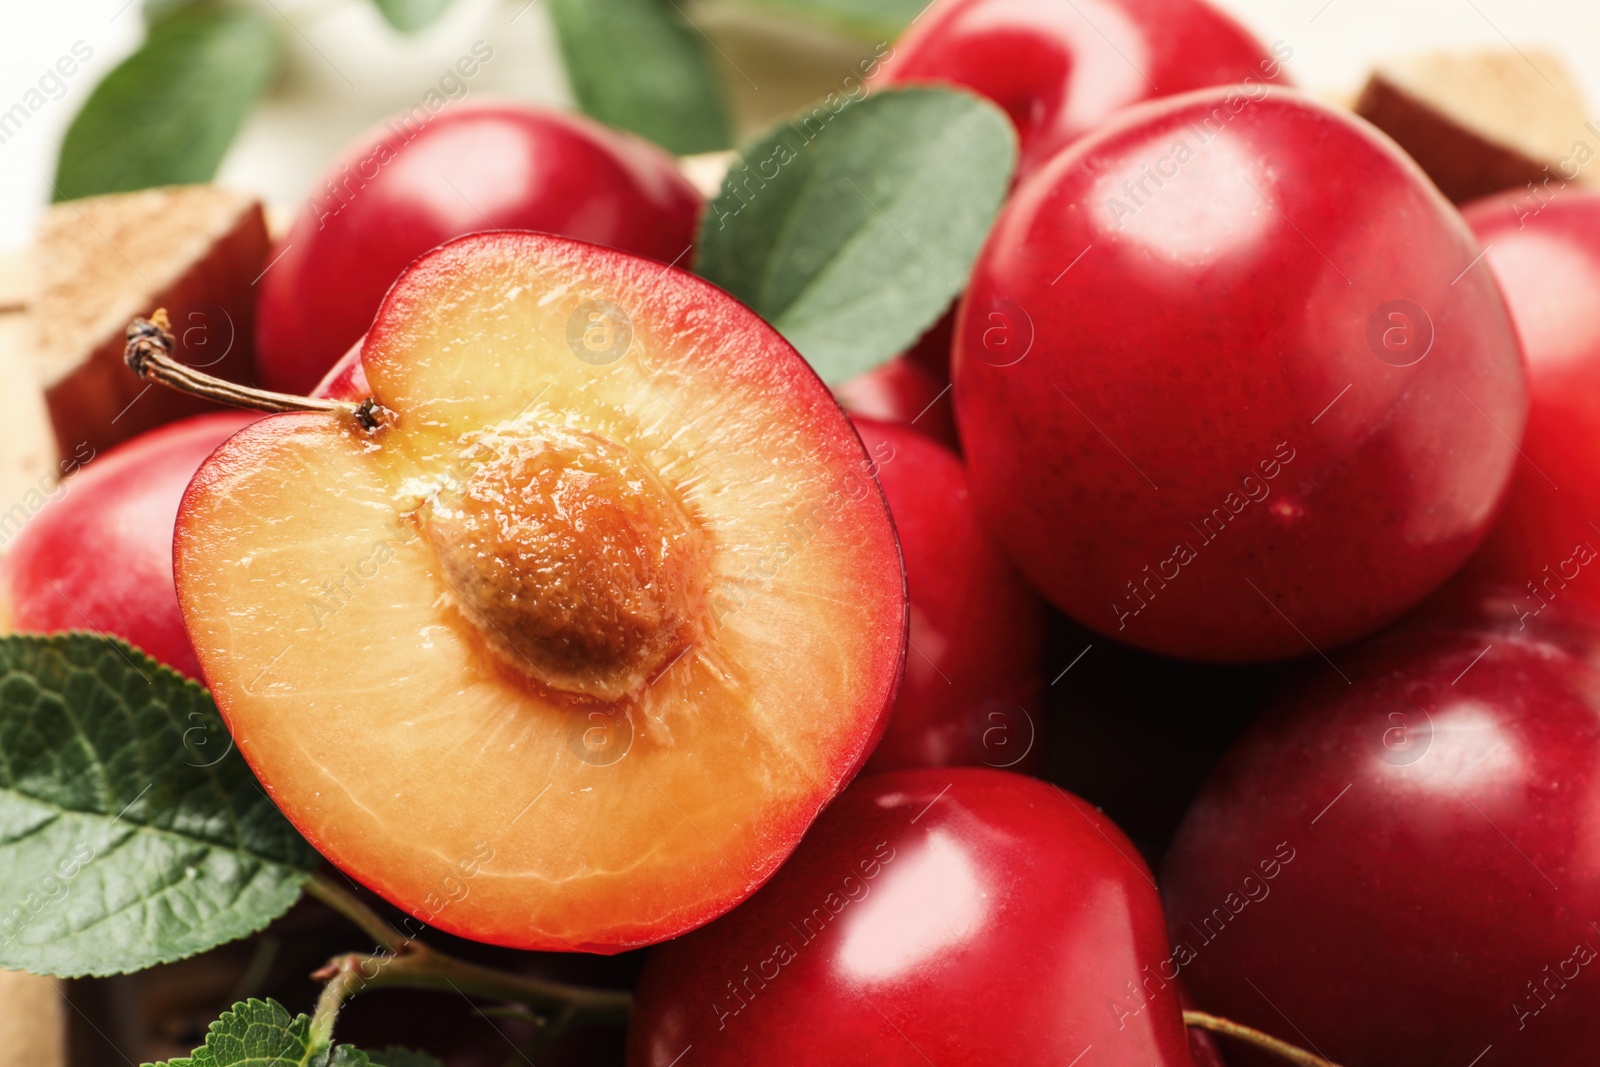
{"x":1545,"y":255}
{"x":413,"y":184}
{"x":1061,"y":70}
{"x":98,"y":555}
{"x":971,"y":694}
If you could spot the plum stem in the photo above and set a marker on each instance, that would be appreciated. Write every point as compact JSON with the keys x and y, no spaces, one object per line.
{"x":1228,"y":1028}
{"x":149,"y":355}
{"x":407,"y":963}
{"x":356,"y":910}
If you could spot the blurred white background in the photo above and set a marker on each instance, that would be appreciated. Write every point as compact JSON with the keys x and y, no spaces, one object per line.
{"x":345,"y":69}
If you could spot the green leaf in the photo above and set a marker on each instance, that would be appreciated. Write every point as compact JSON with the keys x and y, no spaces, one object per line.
{"x":131,"y":831}
{"x":878,"y":20}
{"x":260,"y":1033}
{"x":167,"y":113}
{"x":402,"y":1057}
{"x":256,"y":1033}
{"x":852,"y":227}
{"x":640,"y":65}
{"x":409,"y":16}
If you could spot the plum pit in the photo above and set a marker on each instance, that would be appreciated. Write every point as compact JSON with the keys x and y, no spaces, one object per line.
{"x":577,"y":566}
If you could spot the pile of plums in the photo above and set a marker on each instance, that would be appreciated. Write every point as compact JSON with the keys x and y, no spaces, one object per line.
{"x":1232,"y":383}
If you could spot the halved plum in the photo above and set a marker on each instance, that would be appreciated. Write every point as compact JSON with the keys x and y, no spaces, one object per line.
{"x":568,"y":648}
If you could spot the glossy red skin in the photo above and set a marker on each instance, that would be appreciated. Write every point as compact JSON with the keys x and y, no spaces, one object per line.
{"x":489,"y":166}
{"x":903,"y":391}
{"x":1444,"y":826}
{"x":994,"y":919}
{"x":1202,"y":1045}
{"x":346,"y":379}
{"x":970,"y":695}
{"x":1061,"y":69}
{"x":1547,"y":262}
{"x":1199,"y":356}
{"x":99,"y":556}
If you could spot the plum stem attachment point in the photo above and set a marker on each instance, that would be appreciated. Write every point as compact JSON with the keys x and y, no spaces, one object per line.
{"x":1247,"y":1035}
{"x":149,"y":355}
{"x":407,"y":963}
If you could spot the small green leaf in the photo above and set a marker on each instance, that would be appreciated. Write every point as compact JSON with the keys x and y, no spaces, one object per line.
{"x":640,"y":65}
{"x":402,"y":1057}
{"x":879,"y":20}
{"x":255,"y":1033}
{"x":409,"y":16}
{"x":131,"y":831}
{"x":851,"y":228}
{"x":260,"y":1033}
{"x":167,"y":113}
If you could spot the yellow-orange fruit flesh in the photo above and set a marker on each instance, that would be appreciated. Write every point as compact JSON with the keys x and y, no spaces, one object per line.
{"x":570,"y":653}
